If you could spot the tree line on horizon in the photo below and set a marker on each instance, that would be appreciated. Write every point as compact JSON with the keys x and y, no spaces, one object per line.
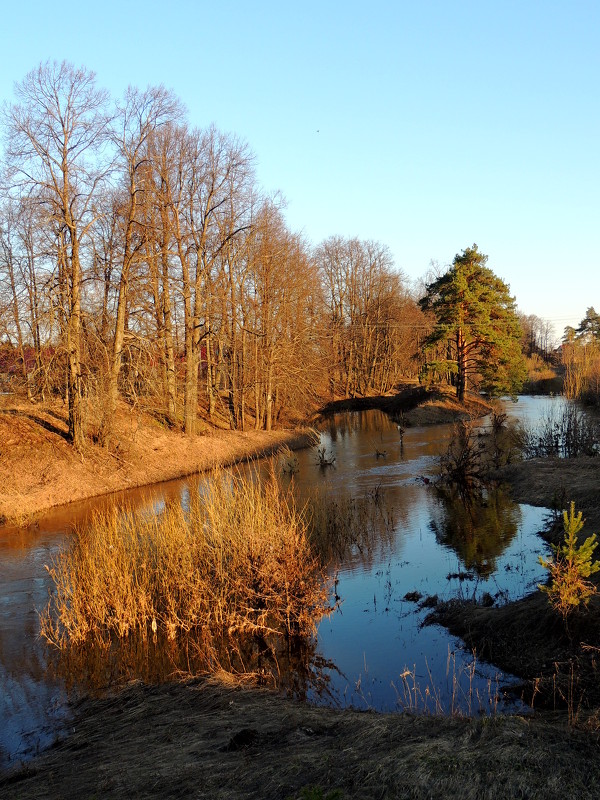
{"x":581,"y":358}
{"x":141,"y":260}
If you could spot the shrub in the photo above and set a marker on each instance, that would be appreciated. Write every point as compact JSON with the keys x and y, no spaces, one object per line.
{"x":238,"y":562}
{"x":570,"y":568}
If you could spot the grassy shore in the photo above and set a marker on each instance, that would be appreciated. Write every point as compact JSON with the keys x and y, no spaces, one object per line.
{"x":208,"y":740}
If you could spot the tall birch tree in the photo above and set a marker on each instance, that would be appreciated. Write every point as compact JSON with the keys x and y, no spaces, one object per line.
{"x":56,"y":132}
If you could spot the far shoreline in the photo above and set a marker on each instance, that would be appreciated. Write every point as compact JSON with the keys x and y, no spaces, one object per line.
{"x":41,"y":472}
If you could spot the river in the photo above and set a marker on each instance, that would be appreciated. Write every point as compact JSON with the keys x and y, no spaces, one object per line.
{"x":373,"y":651}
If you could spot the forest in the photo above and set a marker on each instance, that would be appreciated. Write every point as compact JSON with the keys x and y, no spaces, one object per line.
{"x":141,"y":260}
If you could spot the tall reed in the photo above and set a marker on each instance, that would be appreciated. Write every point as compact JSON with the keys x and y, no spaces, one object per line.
{"x":567,"y":434}
{"x":238,"y":561}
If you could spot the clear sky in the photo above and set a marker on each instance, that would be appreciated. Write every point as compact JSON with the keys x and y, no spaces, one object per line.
{"x":426,"y":126}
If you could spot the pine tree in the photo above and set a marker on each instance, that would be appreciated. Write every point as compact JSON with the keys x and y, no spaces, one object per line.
{"x":571,"y":567}
{"x":589,"y":327}
{"x":476,"y":317}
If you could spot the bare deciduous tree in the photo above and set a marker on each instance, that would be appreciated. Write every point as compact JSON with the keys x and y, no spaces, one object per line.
{"x":141,"y":115}
{"x":55,"y":136}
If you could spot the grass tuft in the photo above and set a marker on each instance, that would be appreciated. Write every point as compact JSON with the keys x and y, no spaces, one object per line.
{"x":238,"y":562}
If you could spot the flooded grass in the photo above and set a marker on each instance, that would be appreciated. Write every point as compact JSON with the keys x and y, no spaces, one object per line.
{"x":567,"y":432}
{"x":237,"y":562}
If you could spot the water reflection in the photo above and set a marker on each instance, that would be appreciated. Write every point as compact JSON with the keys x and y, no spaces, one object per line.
{"x":478,"y":529}
{"x":292,"y":666}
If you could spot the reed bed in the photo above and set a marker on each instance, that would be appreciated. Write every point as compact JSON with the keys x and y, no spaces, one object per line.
{"x":238,"y":562}
{"x":568,"y":433}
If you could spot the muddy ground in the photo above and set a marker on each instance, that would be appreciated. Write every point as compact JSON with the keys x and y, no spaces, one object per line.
{"x":208,"y":739}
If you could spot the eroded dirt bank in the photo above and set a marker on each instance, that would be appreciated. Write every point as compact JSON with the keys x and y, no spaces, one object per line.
{"x":211,"y":741}
{"x":39,"y":469}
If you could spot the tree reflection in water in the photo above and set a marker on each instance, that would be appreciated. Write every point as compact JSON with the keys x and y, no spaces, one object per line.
{"x":478,"y":528}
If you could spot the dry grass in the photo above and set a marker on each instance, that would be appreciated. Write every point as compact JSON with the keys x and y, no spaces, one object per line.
{"x":237,"y":562}
{"x":211,"y":741}
{"x":568,"y":433}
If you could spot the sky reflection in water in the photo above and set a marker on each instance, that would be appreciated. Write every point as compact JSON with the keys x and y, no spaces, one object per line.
{"x":435,"y":548}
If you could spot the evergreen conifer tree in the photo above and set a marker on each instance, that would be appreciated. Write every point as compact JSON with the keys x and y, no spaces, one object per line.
{"x":571,"y":567}
{"x":476,"y":318}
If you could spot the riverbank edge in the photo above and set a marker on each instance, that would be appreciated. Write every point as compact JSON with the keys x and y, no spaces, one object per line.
{"x":60,"y":478}
{"x":556,"y":663}
{"x":207,"y":739}
{"x":40,"y":471}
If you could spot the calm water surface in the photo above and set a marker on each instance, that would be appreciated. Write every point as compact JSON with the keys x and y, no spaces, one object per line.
{"x":374,"y":650}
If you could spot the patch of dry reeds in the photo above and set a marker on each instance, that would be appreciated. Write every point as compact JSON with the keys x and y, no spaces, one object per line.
{"x":238,"y":561}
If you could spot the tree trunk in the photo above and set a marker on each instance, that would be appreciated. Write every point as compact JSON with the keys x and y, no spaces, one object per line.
{"x":461,"y":383}
{"x":76,"y":433}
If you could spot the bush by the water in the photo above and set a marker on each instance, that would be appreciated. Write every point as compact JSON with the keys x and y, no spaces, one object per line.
{"x":239,"y":561}
{"x":569,"y":433}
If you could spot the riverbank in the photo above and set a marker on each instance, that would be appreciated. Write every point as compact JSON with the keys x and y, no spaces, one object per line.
{"x":558,"y":664}
{"x":209,"y":740}
{"x":40,"y":470}
{"x":415,"y":405}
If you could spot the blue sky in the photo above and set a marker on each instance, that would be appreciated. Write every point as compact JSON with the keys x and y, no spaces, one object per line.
{"x":423,"y":126}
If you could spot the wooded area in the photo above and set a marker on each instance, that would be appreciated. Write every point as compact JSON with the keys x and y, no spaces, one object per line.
{"x":140,"y":258}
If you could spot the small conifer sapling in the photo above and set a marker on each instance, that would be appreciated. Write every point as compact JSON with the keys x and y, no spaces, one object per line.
{"x":570,"y":568}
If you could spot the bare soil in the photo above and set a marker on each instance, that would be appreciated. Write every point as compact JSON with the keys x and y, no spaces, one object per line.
{"x":39,"y":469}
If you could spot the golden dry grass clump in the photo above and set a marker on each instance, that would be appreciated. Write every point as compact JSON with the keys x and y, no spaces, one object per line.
{"x":238,"y":560}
